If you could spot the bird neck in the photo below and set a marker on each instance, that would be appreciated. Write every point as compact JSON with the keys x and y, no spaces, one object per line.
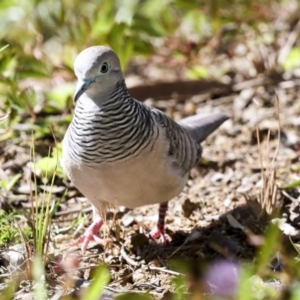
{"x":116,"y":97}
{"x":119,"y":128}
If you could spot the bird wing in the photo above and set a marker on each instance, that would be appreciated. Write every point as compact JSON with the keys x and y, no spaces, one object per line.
{"x":185,"y":136}
{"x":183,"y":149}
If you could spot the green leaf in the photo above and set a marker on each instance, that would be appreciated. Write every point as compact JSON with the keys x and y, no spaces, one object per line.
{"x":295,"y":291}
{"x":293,"y":59}
{"x":48,"y":166}
{"x":268,"y":248}
{"x":7,"y":185}
{"x":4,"y":47}
{"x":245,"y":285}
{"x":296,"y":246}
{"x":290,"y":185}
{"x":6,"y":136}
{"x":97,"y":286}
{"x":58,"y":96}
{"x":197,"y":72}
{"x":259,"y":290}
{"x":13,"y":181}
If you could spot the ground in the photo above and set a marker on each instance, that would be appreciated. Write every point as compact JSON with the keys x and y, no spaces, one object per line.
{"x":222,"y":212}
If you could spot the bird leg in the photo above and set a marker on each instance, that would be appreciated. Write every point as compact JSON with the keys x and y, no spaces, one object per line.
{"x":159,"y":230}
{"x":91,"y":233}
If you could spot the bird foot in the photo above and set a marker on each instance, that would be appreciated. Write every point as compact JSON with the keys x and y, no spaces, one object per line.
{"x":91,"y":234}
{"x":158,"y":233}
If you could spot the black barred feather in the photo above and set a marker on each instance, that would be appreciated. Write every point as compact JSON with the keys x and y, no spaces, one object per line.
{"x":123,"y":128}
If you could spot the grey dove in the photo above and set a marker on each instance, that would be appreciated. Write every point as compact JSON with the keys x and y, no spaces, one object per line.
{"x":118,"y":151}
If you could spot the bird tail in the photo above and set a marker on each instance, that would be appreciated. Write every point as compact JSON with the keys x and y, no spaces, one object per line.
{"x":202,"y":125}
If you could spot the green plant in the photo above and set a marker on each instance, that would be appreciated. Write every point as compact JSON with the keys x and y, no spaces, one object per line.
{"x":40,"y":214}
{"x":100,"y":280}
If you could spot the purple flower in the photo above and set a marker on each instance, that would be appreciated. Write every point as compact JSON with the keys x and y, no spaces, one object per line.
{"x":221,"y":278}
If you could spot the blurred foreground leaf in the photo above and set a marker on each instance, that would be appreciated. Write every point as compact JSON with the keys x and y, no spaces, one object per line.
{"x":96,"y":288}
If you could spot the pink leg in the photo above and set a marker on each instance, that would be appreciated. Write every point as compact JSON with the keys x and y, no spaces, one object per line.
{"x":159,"y":230}
{"x":91,"y":234}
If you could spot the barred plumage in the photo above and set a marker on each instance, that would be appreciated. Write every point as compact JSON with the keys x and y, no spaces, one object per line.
{"x":119,"y":129}
{"x":122,"y":152}
{"x":122,"y":128}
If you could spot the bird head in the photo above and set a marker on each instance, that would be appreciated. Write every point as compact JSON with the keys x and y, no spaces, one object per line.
{"x":98,"y":70}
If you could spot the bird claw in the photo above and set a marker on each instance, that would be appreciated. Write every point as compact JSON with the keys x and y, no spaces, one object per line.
{"x":91,"y":234}
{"x":158,"y":233}
{"x":85,"y":239}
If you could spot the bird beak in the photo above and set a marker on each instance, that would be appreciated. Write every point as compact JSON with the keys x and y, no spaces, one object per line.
{"x":81,"y":87}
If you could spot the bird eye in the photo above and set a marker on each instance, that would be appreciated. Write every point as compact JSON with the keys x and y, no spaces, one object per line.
{"x":104,"y":68}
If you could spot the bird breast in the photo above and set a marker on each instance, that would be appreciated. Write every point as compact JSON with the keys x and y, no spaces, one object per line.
{"x":147,"y":178}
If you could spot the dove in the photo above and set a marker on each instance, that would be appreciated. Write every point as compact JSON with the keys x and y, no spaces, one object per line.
{"x":118,"y":151}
